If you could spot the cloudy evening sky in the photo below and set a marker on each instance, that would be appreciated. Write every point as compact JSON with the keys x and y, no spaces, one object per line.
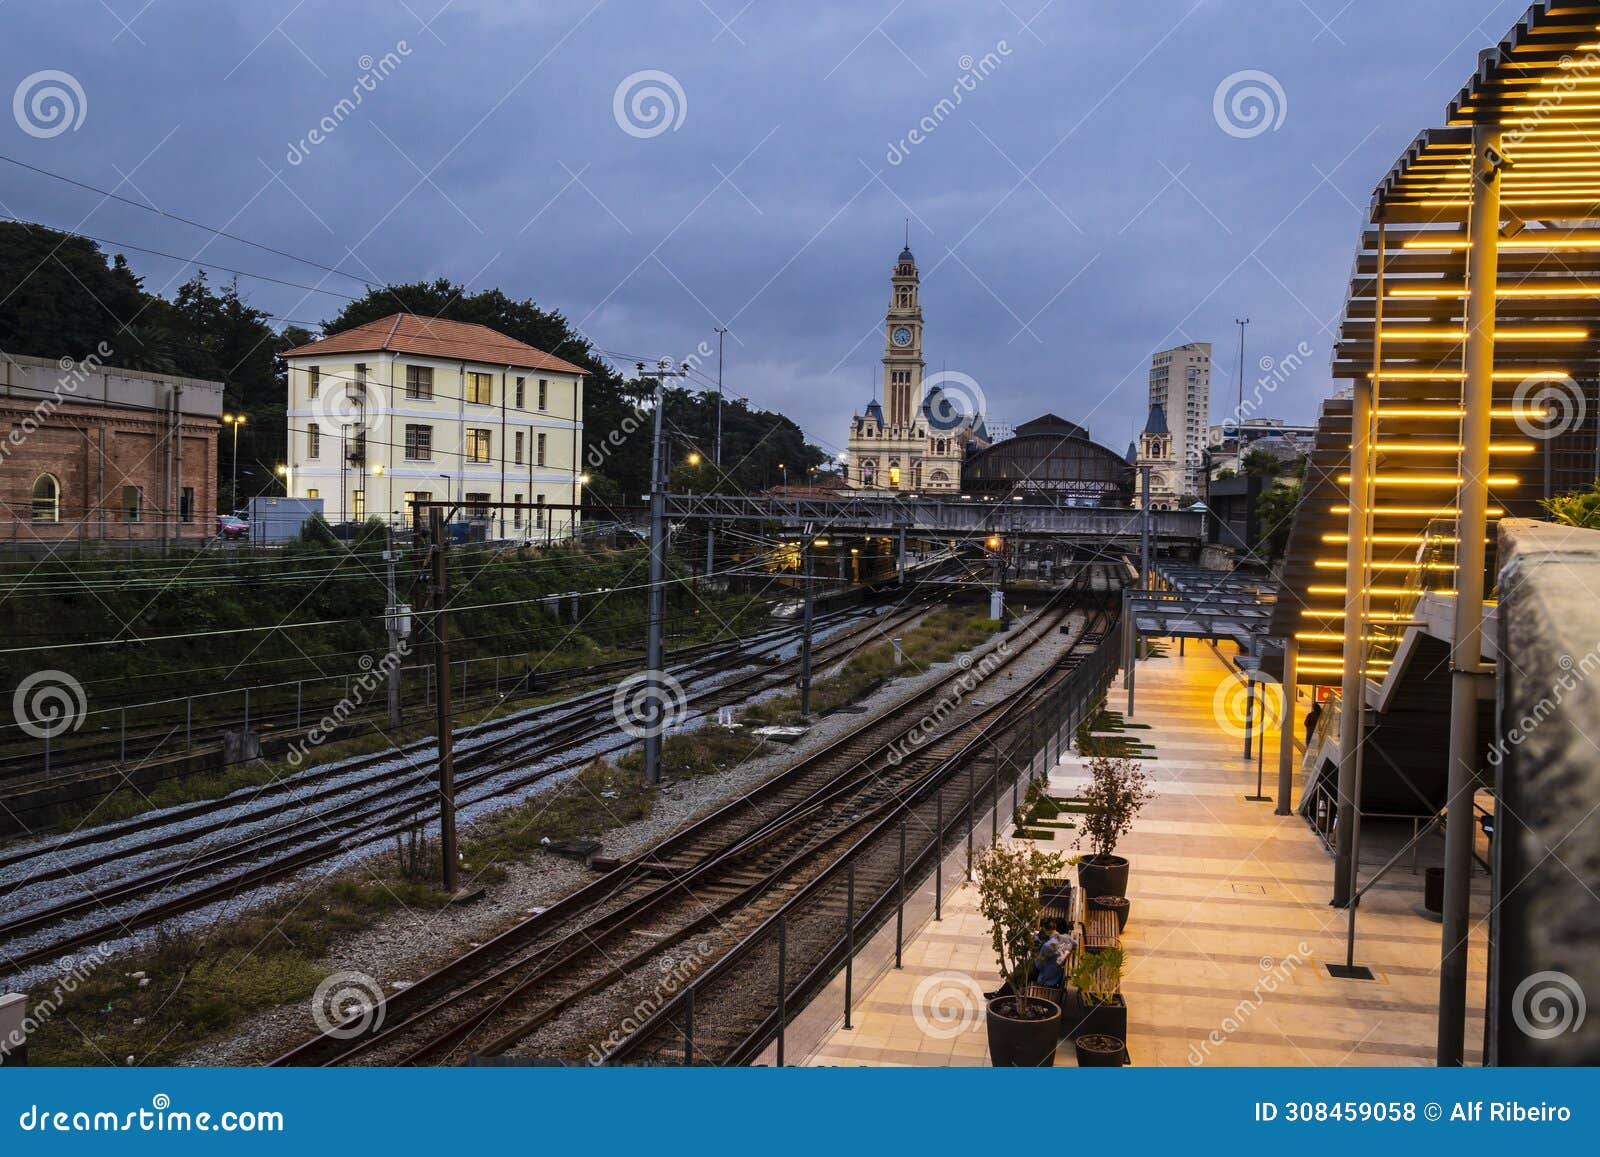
{"x":1079,"y":208}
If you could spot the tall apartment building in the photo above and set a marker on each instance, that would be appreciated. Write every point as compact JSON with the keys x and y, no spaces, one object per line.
{"x":1180,"y":383}
{"x":412,"y":408}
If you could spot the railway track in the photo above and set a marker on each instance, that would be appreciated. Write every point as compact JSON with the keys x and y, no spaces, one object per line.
{"x":685,"y":903}
{"x":314,"y":819}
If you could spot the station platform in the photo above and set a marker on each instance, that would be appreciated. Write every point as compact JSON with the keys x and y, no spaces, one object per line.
{"x":1230,"y":929}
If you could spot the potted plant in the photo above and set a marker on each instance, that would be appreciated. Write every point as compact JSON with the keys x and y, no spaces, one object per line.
{"x":1101,"y":1009}
{"x":1023,"y":1030}
{"x":1115,"y":904}
{"x":1097,"y":1051}
{"x":1118,"y":791}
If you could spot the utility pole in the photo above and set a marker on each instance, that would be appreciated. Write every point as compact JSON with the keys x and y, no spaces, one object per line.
{"x":392,"y":622}
{"x":1238,"y":414}
{"x":439,"y":600}
{"x":807,"y":555}
{"x":1144,"y":550}
{"x":654,"y":703}
{"x":716,"y":462}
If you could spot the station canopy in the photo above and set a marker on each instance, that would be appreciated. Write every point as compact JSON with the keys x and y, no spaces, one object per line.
{"x":1404,"y":328}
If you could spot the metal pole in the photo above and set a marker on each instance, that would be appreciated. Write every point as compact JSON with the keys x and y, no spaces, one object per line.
{"x":1353,"y":693}
{"x":1467,"y":672}
{"x":994,"y":794}
{"x":900,"y":904}
{"x":247,"y":709}
{"x":972,"y":800}
{"x":716,"y":460}
{"x":1144,"y":532}
{"x":1238,"y":414}
{"x":1291,"y":676}
{"x":188,"y":720}
{"x":1249,"y":713}
{"x":938,"y":855}
{"x":394,"y":630}
{"x":657,"y":598}
{"x":441,"y":657}
{"x":849,"y":939}
{"x":122,"y":742}
{"x":299,"y":689}
{"x":807,"y":560}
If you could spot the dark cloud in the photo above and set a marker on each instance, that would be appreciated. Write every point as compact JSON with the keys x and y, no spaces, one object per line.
{"x":1079,"y":207}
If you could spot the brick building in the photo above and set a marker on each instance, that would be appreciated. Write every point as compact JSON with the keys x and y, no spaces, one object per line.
{"x":92,"y":452}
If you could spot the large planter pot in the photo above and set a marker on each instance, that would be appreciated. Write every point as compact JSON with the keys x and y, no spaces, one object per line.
{"x":1056,"y":893}
{"x":1116,"y":904}
{"x":1099,"y":1052}
{"x":1019,"y":1043}
{"x":1102,"y":1019}
{"x":1103,"y":876}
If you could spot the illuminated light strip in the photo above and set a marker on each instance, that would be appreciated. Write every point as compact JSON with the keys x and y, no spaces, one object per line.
{"x":1390,"y":539}
{"x":1456,"y":335}
{"x":1416,"y":511}
{"x":1341,"y":564}
{"x":1375,"y":616}
{"x":1445,"y":448}
{"x":1418,"y":480}
{"x":1378,"y":592}
{"x":1503,"y":291}
{"x":1525,"y":375}
{"x":1456,"y":413}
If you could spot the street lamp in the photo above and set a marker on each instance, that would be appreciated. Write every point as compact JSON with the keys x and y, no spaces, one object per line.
{"x":234,"y":420}
{"x":283,"y":472}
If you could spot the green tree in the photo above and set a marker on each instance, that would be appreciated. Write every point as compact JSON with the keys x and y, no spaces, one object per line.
{"x":1275,"y":511}
{"x":1581,"y":508}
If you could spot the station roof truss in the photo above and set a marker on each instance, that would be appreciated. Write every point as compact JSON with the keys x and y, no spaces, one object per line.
{"x":1404,"y":328}
{"x":1205,"y":604}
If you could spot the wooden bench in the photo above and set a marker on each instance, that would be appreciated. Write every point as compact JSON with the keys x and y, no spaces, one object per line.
{"x":1100,"y":930}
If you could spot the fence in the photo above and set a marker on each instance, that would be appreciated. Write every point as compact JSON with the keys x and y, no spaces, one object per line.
{"x":818,"y":930}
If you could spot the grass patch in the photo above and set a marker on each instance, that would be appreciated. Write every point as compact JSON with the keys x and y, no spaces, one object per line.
{"x":1103,"y":733}
{"x":938,"y":638}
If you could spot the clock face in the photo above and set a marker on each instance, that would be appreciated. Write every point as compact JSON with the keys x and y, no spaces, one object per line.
{"x":902,"y":337}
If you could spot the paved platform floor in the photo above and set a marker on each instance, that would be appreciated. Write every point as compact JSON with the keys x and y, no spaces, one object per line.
{"x":1230,"y":927}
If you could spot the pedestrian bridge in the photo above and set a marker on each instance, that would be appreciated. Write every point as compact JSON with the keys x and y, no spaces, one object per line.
{"x":937,"y":518}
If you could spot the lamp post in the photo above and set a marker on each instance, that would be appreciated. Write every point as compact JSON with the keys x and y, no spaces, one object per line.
{"x":283,"y":472}
{"x":234,"y":420}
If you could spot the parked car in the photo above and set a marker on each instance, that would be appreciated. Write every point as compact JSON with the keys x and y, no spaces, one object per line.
{"x":231,"y":528}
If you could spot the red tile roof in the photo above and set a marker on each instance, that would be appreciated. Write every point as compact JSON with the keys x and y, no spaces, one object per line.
{"x":432,"y":337}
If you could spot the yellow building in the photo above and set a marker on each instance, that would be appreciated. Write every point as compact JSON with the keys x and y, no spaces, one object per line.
{"x":414,"y":408}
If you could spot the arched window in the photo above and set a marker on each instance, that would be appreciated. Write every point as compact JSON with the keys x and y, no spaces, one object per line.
{"x":46,"y":499}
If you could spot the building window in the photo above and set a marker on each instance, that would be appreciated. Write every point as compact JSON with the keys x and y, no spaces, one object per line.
{"x":313,"y":441}
{"x":544,"y":393}
{"x":46,"y":499}
{"x":518,"y":453}
{"x":358,"y":505}
{"x":477,"y":504}
{"x":480,"y":388}
{"x":477,"y":445}
{"x":408,"y":502}
{"x":522,"y":386}
{"x":538,"y":511}
{"x":361,"y":374}
{"x":132,"y":503}
{"x":419,"y":382}
{"x":186,"y":504}
{"x":539,"y":449}
{"x":313,"y":380}
{"x":313,"y":494}
{"x":516,"y":513}
{"x":419,"y":443}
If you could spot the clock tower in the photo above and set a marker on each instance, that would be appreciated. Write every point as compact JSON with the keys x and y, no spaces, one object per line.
{"x":902,"y":358}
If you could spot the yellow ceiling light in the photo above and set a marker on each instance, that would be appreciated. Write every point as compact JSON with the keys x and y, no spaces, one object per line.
{"x":1416,"y":511}
{"x":1456,"y":413}
{"x":1456,"y":335}
{"x":1523,"y":375}
{"x":1451,"y":447}
{"x":1424,"y":480}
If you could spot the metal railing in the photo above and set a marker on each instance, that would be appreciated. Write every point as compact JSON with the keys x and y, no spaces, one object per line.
{"x":817,"y":932}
